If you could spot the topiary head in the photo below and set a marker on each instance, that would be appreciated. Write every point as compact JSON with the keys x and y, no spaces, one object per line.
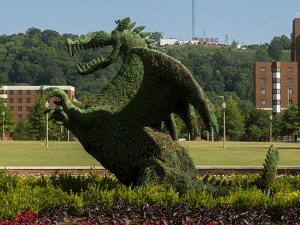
{"x":122,"y":39}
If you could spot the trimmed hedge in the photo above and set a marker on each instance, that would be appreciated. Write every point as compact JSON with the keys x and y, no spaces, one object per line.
{"x":35,"y":192}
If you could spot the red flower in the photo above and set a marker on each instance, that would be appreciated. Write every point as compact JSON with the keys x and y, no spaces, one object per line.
{"x":86,"y":223}
{"x":157,"y":223}
{"x":189,"y":223}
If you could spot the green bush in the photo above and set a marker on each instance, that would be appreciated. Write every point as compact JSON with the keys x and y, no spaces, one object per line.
{"x":34,"y":193}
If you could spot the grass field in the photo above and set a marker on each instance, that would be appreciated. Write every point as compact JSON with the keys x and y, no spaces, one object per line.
{"x":240,"y":153}
{"x":27,"y":153}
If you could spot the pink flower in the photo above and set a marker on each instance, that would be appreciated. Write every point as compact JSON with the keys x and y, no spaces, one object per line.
{"x":189,"y":223}
{"x":211,"y":223}
{"x":86,"y":223}
{"x":157,"y":223}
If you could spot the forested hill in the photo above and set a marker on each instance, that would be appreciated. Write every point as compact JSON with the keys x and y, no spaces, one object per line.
{"x":41,"y":58}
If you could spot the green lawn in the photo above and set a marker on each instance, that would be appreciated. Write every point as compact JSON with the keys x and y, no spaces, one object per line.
{"x":240,"y":153}
{"x":35,"y":153}
{"x":28,"y":153}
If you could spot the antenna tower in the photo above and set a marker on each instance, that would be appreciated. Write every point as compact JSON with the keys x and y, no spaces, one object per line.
{"x":193,"y":19}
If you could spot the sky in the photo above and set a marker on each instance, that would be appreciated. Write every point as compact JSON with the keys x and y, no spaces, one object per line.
{"x":244,"y":21}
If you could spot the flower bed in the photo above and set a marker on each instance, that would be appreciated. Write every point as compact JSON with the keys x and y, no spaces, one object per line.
{"x":100,"y":199}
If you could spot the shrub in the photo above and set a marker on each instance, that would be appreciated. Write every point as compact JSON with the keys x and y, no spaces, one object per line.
{"x":35,"y":193}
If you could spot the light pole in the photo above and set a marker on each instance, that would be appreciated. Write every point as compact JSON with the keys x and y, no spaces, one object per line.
{"x":288,"y":95}
{"x":47,"y":105}
{"x":271,"y":128}
{"x":3,"y":115}
{"x":224,"y":138}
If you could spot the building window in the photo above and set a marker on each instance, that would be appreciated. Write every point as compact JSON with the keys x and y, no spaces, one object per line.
{"x":12,"y":108}
{"x":19,"y":116}
{"x":262,"y":80}
{"x":276,"y":91}
{"x":276,"y":69}
{"x":290,"y":80}
{"x":28,"y":100}
{"x":263,"y":102}
{"x":290,"y":102}
{"x":276,"y":102}
{"x":290,"y":90}
{"x":28,"y":116}
{"x":19,"y":100}
{"x":263,"y":91}
{"x":37,"y":91}
{"x":290,"y":69}
{"x":262,"y":69}
{"x":11,"y":100}
{"x":28,"y":108}
{"x":276,"y":80}
{"x":28,"y":92}
{"x":19,"y":92}
{"x":11,"y":92}
{"x":20,"y":108}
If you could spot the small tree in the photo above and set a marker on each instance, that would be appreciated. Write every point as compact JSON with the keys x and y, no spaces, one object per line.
{"x":275,"y":50}
{"x":6,"y":117}
{"x":290,"y":120}
{"x":21,"y":131}
{"x":257,"y":123}
{"x":155,"y":36}
{"x":37,"y":120}
{"x":234,"y":119}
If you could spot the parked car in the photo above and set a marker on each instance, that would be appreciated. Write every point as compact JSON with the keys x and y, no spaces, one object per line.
{"x":289,"y":140}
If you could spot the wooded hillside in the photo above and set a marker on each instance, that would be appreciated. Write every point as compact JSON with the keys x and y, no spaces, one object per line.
{"x":41,"y":58}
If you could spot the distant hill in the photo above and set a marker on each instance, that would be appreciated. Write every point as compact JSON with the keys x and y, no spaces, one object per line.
{"x":41,"y":58}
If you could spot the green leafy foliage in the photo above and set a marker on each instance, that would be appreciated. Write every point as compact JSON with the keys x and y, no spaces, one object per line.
{"x":234,"y":118}
{"x":25,"y":58}
{"x":7,"y":117}
{"x":290,"y":120}
{"x":257,"y":123}
{"x":118,"y":203}
{"x":148,"y":89}
{"x":267,"y":178}
{"x":37,"y":120}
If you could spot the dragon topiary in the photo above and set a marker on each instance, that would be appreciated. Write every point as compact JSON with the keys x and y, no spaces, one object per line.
{"x":121,"y":127}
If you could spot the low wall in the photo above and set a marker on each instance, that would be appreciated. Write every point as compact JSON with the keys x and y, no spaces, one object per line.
{"x":202,"y":170}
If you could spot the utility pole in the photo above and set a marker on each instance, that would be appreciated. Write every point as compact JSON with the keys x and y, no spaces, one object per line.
{"x":193,"y":19}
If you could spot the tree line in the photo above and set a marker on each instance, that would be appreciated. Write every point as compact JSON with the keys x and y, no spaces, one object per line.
{"x":41,"y":58}
{"x":248,"y":123}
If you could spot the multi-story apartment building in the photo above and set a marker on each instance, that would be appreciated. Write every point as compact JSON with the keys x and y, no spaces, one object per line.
{"x":276,"y":84}
{"x":20,"y":99}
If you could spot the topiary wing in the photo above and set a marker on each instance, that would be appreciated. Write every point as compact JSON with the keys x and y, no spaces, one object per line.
{"x":169,"y":87}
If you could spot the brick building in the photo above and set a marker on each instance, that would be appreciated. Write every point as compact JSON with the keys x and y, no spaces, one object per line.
{"x":276,"y":84}
{"x":21,"y":98}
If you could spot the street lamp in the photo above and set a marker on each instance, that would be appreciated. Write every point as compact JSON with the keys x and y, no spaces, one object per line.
{"x":3,"y":115}
{"x":271,"y":128}
{"x":288,"y":94}
{"x":212,"y":134}
{"x":47,"y":105}
{"x":224,"y":138}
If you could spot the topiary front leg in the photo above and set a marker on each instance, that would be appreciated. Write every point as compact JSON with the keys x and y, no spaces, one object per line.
{"x":61,"y":118}
{"x":67,"y":113}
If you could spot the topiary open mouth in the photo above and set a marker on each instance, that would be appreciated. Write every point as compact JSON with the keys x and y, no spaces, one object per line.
{"x":98,"y":40}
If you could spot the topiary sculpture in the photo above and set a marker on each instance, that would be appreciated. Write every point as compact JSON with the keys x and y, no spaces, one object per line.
{"x":268,"y":175}
{"x":120,"y":127}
